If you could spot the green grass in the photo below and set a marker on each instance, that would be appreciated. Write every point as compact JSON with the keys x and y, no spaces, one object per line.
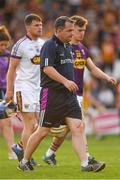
{"x":107,"y":150}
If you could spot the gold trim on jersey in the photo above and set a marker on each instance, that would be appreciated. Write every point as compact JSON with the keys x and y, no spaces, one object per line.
{"x":19,"y":100}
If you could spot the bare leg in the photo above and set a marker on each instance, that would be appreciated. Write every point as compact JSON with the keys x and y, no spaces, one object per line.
{"x":77,"y":127}
{"x":8,"y":133}
{"x":28,"y":128}
{"x":34,"y":141}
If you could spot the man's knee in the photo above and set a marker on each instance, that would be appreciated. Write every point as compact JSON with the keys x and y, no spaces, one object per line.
{"x":78,"y":127}
{"x":42,"y":131}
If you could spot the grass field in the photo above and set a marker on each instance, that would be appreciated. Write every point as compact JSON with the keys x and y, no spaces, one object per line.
{"x":68,"y":167}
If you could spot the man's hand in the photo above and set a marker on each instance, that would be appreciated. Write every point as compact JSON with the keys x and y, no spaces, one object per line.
{"x":71,"y":86}
{"x":112,"y":80}
{"x":9,"y":96}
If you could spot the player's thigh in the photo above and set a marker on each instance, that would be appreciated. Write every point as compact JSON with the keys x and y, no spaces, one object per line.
{"x":75,"y":125}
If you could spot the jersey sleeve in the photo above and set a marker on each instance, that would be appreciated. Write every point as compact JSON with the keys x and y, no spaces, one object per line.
{"x":87,"y":53}
{"x":48,"y":54}
{"x":17,"y":51}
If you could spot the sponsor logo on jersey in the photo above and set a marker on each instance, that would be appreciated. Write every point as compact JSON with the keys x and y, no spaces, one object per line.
{"x":79,"y":63}
{"x":36,"y":60}
{"x":65,"y":61}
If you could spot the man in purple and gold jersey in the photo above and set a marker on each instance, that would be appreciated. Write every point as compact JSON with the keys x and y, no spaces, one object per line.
{"x":81,"y":59}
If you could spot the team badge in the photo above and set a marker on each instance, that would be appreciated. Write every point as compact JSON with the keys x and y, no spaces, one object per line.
{"x":26,"y":106}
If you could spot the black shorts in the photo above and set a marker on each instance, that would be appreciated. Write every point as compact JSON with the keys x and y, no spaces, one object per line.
{"x":56,"y":105}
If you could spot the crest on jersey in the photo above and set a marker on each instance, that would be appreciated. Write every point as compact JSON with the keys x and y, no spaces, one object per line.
{"x":78,"y":54}
{"x":26,"y":106}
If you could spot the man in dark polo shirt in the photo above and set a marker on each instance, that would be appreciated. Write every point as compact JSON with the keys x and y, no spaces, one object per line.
{"x":58,"y":99}
{"x":82,"y":59}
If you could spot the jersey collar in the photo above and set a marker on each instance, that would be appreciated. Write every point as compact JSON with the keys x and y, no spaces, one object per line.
{"x":59,"y":41}
{"x":28,"y":37}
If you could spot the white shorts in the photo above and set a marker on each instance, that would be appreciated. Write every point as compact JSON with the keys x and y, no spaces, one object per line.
{"x":27,"y":100}
{"x":80,"y":100}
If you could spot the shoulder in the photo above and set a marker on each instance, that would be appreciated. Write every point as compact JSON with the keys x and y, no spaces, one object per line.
{"x":7,"y":52}
{"x":21,"y":42}
{"x":83,"y":47}
{"x":49,"y":46}
{"x":41,"y":41}
{"x":49,"y":43}
{"x":84,"y":50}
{"x":19,"y":47}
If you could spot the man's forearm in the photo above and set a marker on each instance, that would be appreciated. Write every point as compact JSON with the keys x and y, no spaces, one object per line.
{"x":98,"y":73}
{"x":53,"y":74}
{"x":10,"y":80}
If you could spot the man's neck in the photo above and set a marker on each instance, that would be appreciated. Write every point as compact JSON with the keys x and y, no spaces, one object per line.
{"x":32,"y":37}
{"x":60,"y":38}
{"x":75,"y":42}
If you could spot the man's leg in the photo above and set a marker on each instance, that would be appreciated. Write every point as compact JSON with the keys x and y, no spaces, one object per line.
{"x":28,"y":126}
{"x":29,"y":123}
{"x":32,"y":144}
{"x":59,"y":136}
{"x":49,"y":156}
{"x":7,"y":130}
{"x":77,"y":127}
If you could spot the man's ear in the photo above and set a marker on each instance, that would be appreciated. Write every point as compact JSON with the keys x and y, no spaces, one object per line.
{"x":27,"y":27}
{"x":59,"y":30}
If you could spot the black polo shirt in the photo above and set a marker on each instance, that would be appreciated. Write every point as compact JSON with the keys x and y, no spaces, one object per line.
{"x":59,"y":55}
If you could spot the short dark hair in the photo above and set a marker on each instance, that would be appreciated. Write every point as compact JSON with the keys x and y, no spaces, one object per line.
{"x":79,"y":20}
{"x":60,"y":22}
{"x":30,"y":17}
{"x":4,"y":34}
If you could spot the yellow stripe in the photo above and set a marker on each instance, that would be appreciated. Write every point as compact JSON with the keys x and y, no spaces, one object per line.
{"x":19,"y":100}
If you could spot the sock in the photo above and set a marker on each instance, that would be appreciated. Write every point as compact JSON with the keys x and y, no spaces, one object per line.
{"x":84,"y":163}
{"x":18,"y":147}
{"x":20,"y":143}
{"x":49,"y":152}
{"x":88,"y":155}
{"x":24,"y":161}
{"x":87,"y":152}
{"x":54,"y":146}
